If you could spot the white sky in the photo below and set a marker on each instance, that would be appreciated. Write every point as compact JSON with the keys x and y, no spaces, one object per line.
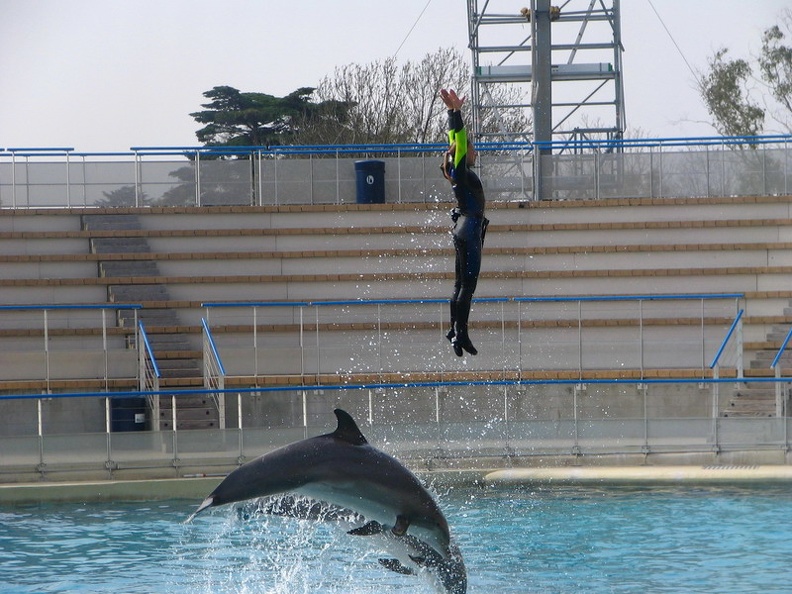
{"x":105,"y":75}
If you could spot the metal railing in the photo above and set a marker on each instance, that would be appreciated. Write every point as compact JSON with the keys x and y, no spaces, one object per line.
{"x":495,"y":420}
{"x":149,"y":376}
{"x":43,"y":348}
{"x":465,"y":419}
{"x":214,"y":372}
{"x":730,"y":354}
{"x":781,"y":388}
{"x":515,"y":335}
{"x":203,"y":176}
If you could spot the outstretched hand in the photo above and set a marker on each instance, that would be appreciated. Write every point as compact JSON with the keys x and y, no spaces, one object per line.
{"x":451,"y":100}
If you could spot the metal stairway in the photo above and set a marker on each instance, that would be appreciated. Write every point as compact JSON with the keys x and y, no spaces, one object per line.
{"x":758,"y":399}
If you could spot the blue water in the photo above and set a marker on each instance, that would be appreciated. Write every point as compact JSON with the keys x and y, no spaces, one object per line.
{"x":544,"y":540}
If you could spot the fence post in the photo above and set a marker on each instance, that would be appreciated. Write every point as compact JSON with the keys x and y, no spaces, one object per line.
{"x":40,"y":420}
{"x":241,"y":457}
{"x":597,"y":163}
{"x":641,"y":335}
{"x":338,"y":177}
{"x":302,"y":342}
{"x":13,"y":179}
{"x":764,"y":171}
{"x":779,"y":392}
{"x":660,"y":173}
{"x":576,"y":444}
{"x":104,"y":348}
{"x":255,"y":344}
{"x":311,"y":176}
{"x":109,"y":462}
{"x":275,"y":178}
{"x":644,"y":388}
{"x":175,"y":432}
{"x":519,"y":341}
{"x":46,"y":352}
{"x":197,"y":178}
{"x":398,"y":173}
{"x":707,"y":162}
{"x":381,"y":370}
{"x":68,"y":182}
{"x":137,"y":178}
{"x":651,"y":172}
{"x":318,"y":349}
{"x":503,"y":338}
{"x":580,"y":339}
{"x":260,"y":185}
{"x":305,"y":413}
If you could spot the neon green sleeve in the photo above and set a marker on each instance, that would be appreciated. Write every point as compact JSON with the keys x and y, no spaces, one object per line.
{"x":461,"y":147}
{"x":457,"y":135}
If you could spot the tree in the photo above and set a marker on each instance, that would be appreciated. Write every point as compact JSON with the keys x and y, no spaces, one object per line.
{"x":775,"y":63}
{"x":389,"y":103}
{"x":727,"y":88}
{"x":234,"y":118}
{"x":123,"y":196}
{"x":727,"y":99}
{"x":377,"y":103}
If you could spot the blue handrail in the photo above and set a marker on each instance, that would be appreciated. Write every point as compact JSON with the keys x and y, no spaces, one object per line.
{"x":213,"y":347}
{"x":781,"y":350}
{"x":621,"y":143}
{"x":149,"y":350}
{"x":681,"y":296}
{"x":727,"y":338}
{"x":68,"y":306}
{"x":398,"y":385}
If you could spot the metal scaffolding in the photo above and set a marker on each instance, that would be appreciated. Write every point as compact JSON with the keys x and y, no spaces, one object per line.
{"x":566,"y":61}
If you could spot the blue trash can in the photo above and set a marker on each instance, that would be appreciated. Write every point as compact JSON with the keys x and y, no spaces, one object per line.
{"x":370,"y":181}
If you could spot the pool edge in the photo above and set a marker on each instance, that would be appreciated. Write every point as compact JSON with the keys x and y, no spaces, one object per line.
{"x":604,"y":475}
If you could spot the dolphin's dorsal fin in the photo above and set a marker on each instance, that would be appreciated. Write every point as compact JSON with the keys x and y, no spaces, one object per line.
{"x":347,"y":429}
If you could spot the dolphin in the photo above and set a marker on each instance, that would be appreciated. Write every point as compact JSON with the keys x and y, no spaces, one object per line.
{"x":414,"y":555}
{"x":343,"y":469}
{"x":409,"y":555}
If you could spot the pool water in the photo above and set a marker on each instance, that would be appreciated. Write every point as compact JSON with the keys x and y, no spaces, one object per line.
{"x":550,"y":539}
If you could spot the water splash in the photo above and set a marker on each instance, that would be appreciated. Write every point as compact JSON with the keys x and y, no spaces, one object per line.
{"x":241,"y":551}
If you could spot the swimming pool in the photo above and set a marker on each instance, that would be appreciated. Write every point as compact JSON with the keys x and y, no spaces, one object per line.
{"x":544,"y":539}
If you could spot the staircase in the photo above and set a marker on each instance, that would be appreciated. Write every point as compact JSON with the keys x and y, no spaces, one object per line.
{"x":753,"y":399}
{"x":179,"y":363}
{"x":758,"y":399}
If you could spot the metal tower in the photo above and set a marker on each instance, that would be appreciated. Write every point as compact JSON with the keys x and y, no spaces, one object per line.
{"x":562,"y":62}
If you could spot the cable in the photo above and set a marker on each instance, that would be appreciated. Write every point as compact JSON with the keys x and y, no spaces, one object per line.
{"x":671,"y":37}
{"x":412,"y":28}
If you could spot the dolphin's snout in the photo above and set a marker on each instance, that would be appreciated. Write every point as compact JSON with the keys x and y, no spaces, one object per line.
{"x":208,"y":502}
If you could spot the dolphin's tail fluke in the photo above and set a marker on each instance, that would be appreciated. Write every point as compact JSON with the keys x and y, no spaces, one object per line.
{"x":208,"y":502}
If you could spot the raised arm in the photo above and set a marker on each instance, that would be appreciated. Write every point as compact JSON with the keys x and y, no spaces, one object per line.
{"x":457,"y":135}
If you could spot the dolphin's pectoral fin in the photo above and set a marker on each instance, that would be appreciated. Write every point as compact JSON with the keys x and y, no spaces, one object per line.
{"x":347,"y":429}
{"x":400,"y":528}
{"x":369,"y":529}
{"x":396,"y":565}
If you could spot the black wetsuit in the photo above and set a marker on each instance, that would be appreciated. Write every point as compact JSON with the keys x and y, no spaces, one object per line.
{"x":469,"y":227}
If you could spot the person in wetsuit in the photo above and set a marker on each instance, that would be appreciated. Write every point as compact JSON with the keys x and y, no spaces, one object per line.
{"x":469,"y":221}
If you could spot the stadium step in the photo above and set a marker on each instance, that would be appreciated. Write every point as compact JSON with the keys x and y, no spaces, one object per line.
{"x":193,"y":411}
{"x":753,"y":400}
{"x":173,"y":352}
